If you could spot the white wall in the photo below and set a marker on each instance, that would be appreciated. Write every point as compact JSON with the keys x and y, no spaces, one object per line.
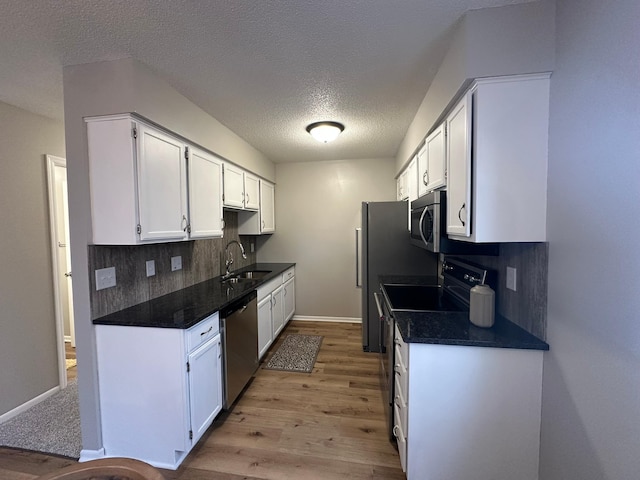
{"x":318,"y":207}
{"x":591,"y":391}
{"x":487,"y":42}
{"x":28,"y":345}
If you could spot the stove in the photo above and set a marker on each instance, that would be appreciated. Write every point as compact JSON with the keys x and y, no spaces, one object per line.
{"x":459,"y":277}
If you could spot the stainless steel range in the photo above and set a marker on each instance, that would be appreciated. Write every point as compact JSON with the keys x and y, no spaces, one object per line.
{"x":459,"y":277}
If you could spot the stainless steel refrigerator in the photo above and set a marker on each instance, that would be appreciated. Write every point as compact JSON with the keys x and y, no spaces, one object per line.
{"x":384,"y":248}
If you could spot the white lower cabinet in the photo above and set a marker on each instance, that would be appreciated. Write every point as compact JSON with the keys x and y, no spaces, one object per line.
{"x":468,"y":413}
{"x":160,"y":389}
{"x":277,"y":310}
{"x":289,"y":299}
{"x":276,"y":306}
{"x":265,"y":330}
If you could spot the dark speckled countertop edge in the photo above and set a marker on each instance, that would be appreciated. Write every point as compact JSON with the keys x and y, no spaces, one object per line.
{"x":186,"y":307}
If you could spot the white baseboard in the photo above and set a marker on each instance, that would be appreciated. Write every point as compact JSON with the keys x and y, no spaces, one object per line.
{"x":308,"y":318}
{"x":86,"y":455}
{"x":27,"y":405}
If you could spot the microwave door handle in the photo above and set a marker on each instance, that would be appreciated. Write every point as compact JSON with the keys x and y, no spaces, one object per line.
{"x":421,"y":223}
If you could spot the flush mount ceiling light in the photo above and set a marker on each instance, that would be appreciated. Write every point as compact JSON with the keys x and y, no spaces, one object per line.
{"x":325,"y":132}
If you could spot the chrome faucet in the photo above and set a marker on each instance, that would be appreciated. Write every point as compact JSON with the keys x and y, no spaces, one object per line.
{"x":229,"y":257}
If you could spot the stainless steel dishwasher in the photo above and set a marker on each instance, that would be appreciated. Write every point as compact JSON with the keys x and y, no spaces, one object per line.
{"x":239,"y":322}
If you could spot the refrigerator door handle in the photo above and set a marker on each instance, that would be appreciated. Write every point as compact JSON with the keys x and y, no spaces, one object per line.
{"x":376,"y":297}
{"x":358,"y":259}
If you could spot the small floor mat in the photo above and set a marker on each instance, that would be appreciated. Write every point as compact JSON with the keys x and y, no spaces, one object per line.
{"x":297,"y":353}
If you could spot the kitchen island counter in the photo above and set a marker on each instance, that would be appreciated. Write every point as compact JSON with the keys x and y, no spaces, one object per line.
{"x":186,"y":307}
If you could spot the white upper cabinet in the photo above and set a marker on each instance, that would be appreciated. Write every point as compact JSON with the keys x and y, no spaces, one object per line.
{"x":497,"y":140}
{"x":459,"y":168}
{"x":138,"y":182}
{"x":143,"y":188}
{"x":263,"y":221}
{"x":401,"y":183}
{"x":412,"y":179}
{"x":205,"y":194}
{"x":162,"y":185}
{"x":267,"y":207}
{"x":241,"y":188}
{"x":432,"y":162}
{"x":233,"y":186}
{"x":251,"y":191}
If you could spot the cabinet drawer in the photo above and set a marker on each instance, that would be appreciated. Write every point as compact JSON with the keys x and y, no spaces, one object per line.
{"x":400,"y":403}
{"x":203,"y":331}
{"x":268,"y":287}
{"x":401,"y":346}
{"x":288,"y":275}
{"x":400,"y":438}
{"x":401,"y":375}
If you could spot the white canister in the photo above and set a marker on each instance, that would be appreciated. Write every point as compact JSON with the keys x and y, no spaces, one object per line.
{"x":482,"y":306}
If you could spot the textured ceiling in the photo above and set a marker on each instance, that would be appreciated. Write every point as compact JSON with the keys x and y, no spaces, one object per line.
{"x":263,"y":68}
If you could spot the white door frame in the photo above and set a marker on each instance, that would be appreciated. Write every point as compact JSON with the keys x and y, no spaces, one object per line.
{"x":52,"y":162}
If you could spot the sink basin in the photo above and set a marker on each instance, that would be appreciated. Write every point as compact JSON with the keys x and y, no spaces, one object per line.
{"x":246,"y":276}
{"x":231,"y":280}
{"x":254,"y":274}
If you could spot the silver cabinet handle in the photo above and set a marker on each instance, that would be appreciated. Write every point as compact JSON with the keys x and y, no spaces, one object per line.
{"x":185,"y":223}
{"x":274,"y":301}
{"x":223,"y":223}
{"x":263,"y":224}
{"x":395,"y":434}
{"x":247,"y":196}
{"x":204,"y":333}
{"x":460,"y":212}
{"x":425,"y":177}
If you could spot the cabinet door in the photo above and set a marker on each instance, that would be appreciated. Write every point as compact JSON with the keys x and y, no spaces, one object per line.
{"x":289,"y":299}
{"x":459,"y":168}
{"x":423,"y":173}
{"x":267,"y":207}
{"x":205,"y":194}
{"x":205,"y":386}
{"x":403,"y":191}
{"x":233,"y":186}
{"x":412,"y":179}
{"x":251,"y":192}
{"x":436,"y":160}
{"x":277,"y":310}
{"x":162,"y":186}
{"x":265,"y":330}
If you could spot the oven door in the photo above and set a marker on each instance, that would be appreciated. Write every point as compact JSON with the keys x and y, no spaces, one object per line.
{"x":386,"y":360}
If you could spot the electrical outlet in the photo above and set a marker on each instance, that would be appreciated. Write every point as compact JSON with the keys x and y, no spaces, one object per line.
{"x":105,"y":278}
{"x":176,"y":263}
{"x":151,"y":268}
{"x":511,"y":278}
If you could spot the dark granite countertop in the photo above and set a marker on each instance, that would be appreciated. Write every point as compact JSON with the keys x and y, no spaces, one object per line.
{"x":184,"y":308}
{"x":455,"y":328}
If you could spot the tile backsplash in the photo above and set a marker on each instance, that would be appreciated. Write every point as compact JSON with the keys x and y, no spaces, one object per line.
{"x":527,"y":306}
{"x":201,"y":260}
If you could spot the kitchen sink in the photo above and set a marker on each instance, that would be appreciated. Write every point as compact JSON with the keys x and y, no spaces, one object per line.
{"x":246,"y":276}
{"x":253,"y":274}
{"x":420,"y":298}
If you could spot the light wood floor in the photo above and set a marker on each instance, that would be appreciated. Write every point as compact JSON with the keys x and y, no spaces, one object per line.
{"x":327,"y":425}
{"x":69,"y":354}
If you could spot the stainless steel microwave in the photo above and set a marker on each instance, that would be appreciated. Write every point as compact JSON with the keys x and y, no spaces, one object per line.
{"x":426,"y":221}
{"x":429,"y":228}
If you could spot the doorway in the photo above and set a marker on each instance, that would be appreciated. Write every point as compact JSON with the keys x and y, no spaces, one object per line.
{"x":61,"y":263}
